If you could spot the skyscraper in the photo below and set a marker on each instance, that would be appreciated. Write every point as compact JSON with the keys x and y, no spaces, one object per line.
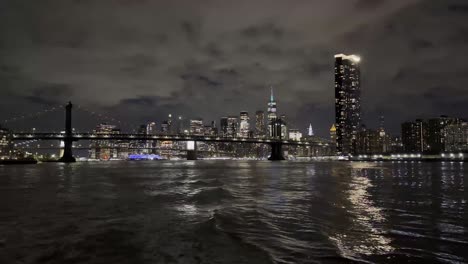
{"x":310,"y":131}
{"x":232,"y":126}
{"x":436,"y":133}
{"x":244,"y":124}
{"x":333,"y":137}
{"x":272,"y":116}
{"x":284,"y":127}
{"x":347,"y":102}
{"x":413,"y":136}
{"x":196,"y":127}
{"x":260,"y":124}
{"x":223,"y":126}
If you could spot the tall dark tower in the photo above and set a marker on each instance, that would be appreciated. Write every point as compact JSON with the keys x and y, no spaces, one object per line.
{"x":68,"y":140}
{"x":347,"y":102}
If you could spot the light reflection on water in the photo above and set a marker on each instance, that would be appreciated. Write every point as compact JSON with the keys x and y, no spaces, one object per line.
{"x":233,"y":212}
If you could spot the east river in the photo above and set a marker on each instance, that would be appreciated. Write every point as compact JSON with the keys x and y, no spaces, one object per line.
{"x":234,"y":212}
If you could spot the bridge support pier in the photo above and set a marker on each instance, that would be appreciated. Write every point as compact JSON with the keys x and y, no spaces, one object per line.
{"x":276,"y":151}
{"x":191,"y":150}
{"x":68,"y":140}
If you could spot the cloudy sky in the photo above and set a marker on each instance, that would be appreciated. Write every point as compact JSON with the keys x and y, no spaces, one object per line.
{"x":138,"y":60}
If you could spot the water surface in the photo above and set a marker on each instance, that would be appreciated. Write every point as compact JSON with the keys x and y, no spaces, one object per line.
{"x":234,"y":212}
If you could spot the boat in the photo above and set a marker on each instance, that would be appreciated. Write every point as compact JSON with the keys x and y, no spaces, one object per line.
{"x":18,"y":161}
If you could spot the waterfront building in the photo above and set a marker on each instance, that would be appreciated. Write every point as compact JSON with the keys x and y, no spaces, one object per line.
{"x":347,"y":102}
{"x":396,"y":145}
{"x":370,"y":141}
{"x":413,"y":136}
{"x":456,"y":137}
{"x":436,"y":133}
{"x":260,"y":124}
{"x":244,"y":124}
{"x":6,"y":145}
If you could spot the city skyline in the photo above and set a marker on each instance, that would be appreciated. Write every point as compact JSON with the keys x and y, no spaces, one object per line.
{"x":123,"y":69}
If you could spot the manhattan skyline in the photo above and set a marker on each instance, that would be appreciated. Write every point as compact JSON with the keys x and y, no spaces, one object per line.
{"x":142,"y":65}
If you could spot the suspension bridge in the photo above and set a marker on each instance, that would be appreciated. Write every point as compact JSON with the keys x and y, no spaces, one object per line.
{"x":69,"y":136}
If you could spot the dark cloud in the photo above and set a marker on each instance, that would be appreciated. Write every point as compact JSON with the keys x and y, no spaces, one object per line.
{"x":369,"y":4}
{"x":140,"y":60}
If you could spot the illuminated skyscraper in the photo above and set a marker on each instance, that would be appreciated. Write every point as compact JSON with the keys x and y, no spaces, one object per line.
{"x":244,"y":124}
{"x":105,"y":149}
{"x":347,"y":102}
{"x":333,"y":137}
{"x":284,"y":127}
{"x":310,"y":131}
{"x":272,"y":115}
{"x":232,"y":126}
{"x":260,"y":124}
{"x":196,"y":127}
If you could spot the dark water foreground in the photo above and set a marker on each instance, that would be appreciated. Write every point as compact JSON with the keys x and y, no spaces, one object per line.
{"x":234,"y":212}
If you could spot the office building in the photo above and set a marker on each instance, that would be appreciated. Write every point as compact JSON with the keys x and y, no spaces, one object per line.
{"x":272,"y":115}
{"x":259,"y":124}
{"x":244,"y":124}
{"x":196,"y":127}
{"x":223,"y":126}
{"x":106,"y":149}
{"x":6,"y":145}
{"x":310,"y":131}
{"x":347,"y":102}
{"x":295,"y":134}
{"x":370,"y":141}
{"x":232,"y":126}
{"x":333,"y":138}
{"x":284,"y":127}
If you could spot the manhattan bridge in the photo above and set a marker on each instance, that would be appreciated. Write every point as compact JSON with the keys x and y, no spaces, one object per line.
{"x":68,"y":136}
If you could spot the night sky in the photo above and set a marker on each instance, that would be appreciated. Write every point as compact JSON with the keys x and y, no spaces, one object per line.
{"x":139,"y":60}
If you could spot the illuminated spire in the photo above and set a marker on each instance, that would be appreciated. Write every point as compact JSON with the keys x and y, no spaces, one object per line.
{"x":272,"y":99}
{"x":311,"y":131}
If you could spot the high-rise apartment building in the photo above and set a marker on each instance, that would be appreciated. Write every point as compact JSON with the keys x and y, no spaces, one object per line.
{"x":347,"y":102}
{"x":413,"y":135}
{"x":456,"y":137}
{"x":436,"y":133}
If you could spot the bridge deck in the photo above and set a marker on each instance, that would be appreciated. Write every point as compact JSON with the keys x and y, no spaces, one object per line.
{"x":142,"y":137}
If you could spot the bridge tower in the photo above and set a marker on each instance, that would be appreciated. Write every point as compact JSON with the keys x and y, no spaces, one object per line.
{"x":191,"y":150}
{"x":276,"y":144}
{"x":68,"y":140}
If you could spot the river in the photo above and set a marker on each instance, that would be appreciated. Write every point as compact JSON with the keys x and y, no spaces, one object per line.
{"x":234,"y":212}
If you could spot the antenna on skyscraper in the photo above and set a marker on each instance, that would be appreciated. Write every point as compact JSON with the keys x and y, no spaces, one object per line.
{"x":382,"y":122}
